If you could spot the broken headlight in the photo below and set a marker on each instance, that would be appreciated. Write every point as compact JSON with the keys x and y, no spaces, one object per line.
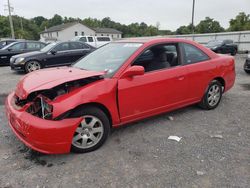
{"x":41,"y":108}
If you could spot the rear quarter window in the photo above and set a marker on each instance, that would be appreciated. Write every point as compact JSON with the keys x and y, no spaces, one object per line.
{"x":193,"y":54}
{"x":103,"y":39}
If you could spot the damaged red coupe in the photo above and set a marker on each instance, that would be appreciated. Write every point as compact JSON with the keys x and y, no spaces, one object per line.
{"x":73,"y":108}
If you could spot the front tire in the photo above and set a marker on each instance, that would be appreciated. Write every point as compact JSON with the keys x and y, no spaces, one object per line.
{"x":247,"y":71}
{"x":31,"y":66}
{"x":93,"y":131}
{"x":212,"y":97}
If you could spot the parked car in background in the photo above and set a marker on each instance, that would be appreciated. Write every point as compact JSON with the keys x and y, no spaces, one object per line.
{"x":18,"y":48}
{"x":95,"y":41}
{"x":247,"y":64}
{"x":223,"y":46}
{"x":53,"y":55}
{"x":73,"y":108}
{"x":6,"y":42}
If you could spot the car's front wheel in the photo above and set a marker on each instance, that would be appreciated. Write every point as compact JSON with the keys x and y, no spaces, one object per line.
{"x":247,"y":71}
{"x":213,"y":95}
{"x":92,"y":132}
{"x":32,"y":66}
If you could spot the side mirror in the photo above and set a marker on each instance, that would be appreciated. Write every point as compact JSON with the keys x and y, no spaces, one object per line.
{"x":10,"y":49}
{"x":53,"y":52}
{"x":133,"y":71}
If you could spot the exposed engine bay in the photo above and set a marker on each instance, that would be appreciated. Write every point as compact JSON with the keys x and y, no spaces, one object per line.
{"x":38,"y":102}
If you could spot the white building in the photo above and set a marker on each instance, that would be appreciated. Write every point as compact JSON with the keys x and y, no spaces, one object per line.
{"x":65,"y":32}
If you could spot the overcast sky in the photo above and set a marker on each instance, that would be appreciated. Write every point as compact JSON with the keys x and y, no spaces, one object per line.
{"x":170,"y":13}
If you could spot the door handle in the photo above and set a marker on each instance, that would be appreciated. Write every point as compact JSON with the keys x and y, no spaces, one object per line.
{"x":180,"y":78}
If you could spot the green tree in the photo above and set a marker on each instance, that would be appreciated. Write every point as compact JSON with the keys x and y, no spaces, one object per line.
{"x":209,"y":25}
{"x":39,"y":20}
{"x":56,"y":20}
{"x":240,"y":23}
{"x":182,"y":30}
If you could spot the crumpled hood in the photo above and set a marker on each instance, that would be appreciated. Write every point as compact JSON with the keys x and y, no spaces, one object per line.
{"x":49,"y":78}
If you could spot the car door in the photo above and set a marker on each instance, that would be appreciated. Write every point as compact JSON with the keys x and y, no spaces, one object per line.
{"x":159,"y":89}
{"x":16,"y":48}
{"x":58,"y":56}
{"x":77,"y":51}
{"x":199,"y":68}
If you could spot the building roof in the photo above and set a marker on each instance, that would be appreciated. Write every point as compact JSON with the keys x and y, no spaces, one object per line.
{"x":59,"y":27}
{"x":67,"y":25}
{"x":107,"y":30}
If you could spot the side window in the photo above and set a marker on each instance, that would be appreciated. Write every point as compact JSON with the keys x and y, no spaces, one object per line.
{"x":62,"y":47}
{"x":193,"y":55}
{"x":103,"y":39}
{"x":77,"y":45}
{"x":42,"y":45}
{"x":84,"y":46}
{"x":159,"y":57}
{"x":18,"y":46}
{"x":83,"y":39}
{"x":33,"y":46}
{"x":90,"y":39}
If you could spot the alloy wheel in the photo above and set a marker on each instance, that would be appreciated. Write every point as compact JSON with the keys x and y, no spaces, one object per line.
{"x":32,"y":66}
{"x":214,"y":95}
{"x":88,"y":133}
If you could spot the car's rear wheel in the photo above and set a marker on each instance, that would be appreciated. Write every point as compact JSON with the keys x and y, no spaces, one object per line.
{"x":234,"y":52}
{"x":92,"y":132}
{"x":213,"y":95}
{"x":32,"y":66}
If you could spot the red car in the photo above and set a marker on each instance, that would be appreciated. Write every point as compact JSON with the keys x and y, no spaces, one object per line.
{"x":73,"y":108}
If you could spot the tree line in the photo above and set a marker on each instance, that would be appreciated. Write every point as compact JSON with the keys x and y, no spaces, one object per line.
{"x":30,"y":28}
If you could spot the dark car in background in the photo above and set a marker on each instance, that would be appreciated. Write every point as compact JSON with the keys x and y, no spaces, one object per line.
{"x":223,"y":46}
{"x":18,"y":48}
{"x":247,"y":64}
{"x":53,"y":55}
{"x":6,"y":42}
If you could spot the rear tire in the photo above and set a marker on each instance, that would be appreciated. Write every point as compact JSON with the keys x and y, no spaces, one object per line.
{"x":212,"y":97}
{"x":234,"y":52}
{"x":93,"y":131}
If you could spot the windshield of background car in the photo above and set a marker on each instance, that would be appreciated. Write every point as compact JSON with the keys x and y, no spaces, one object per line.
{"x":108,"y":58}
{"x":48,"y":47}
{"x":2,"y":44}
{"x":6,"y":47}
{"x":214,"y":43}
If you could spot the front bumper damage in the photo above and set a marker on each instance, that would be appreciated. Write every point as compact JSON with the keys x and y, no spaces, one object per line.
{"x":45,"y":136}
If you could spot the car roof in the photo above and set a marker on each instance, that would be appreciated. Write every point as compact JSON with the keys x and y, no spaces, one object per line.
{"x":151,"y":39}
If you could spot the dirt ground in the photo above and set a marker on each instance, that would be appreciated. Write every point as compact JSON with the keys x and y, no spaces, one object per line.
{"x":214,"y":150}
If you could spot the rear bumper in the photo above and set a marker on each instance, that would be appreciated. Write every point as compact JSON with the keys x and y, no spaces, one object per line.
{"x":45,"y":136}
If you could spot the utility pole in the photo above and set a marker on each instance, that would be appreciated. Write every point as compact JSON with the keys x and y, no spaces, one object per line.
{"x":193,"y":17}
{"x":10,"y":19}
{"x":193,"y":20}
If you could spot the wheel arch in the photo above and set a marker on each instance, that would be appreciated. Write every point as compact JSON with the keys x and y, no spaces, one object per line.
{"x":92,"y":104}
{"x":221,"y":80}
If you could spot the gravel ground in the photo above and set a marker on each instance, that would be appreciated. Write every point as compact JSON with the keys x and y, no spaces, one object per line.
{"x":214,"y":150}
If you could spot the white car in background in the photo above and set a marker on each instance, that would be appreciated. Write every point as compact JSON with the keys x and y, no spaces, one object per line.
{"x":95,"y":41}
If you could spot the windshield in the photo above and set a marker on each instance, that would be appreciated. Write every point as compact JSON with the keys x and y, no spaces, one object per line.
{"x":6,"y":47}
{"x":108,"y":58}
{"x":214,"y":43}
{"x":48,"y":47}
